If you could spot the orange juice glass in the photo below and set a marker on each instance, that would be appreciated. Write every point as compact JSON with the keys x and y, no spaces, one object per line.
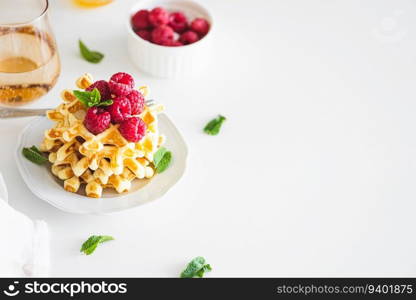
{"x":92,"y":3}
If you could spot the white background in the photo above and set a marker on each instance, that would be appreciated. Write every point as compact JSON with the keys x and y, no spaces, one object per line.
{"x":313,"y":173}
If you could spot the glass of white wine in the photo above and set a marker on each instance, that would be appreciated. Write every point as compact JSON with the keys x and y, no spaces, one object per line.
{"x":29,"y":60}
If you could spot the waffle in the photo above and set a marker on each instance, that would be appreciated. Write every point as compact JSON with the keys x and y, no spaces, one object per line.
{"x":96,"y":162}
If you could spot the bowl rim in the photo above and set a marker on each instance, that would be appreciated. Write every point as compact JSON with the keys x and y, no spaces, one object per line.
{"x":134,"y":8}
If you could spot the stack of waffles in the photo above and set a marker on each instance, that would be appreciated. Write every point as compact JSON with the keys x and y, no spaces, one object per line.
{"x":107,"y":160}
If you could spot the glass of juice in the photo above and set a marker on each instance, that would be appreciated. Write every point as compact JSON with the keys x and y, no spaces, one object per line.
{"x":29,"y":60}
{"x":92,"y":3}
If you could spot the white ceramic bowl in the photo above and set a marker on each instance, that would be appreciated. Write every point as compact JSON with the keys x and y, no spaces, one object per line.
{"x":170,"y":62}
{"x":43,"y":184}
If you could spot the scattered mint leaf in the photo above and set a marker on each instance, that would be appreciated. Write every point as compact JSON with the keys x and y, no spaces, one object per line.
{"x":91,"y":98}
{"x":34,"y":155}
{"x":89,"y":55}
{"x":161,"y":159}
{"x":164,"y":162}
{"x":34,"y":148}
{"x":214,"y":126}
{"x":196,"y":268}
{"x":159,"y":155}
{"x":206,"y":268}
{"x":89,"y":246}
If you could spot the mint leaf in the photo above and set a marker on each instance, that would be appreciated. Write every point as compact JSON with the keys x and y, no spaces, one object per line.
{"x":164,"y":162}
{"x":196,"y":268}
{"x":89,"y":55}
{"x":91,"y":98}
{"x":157,"y":157}
{"x":105,"y":103}
{"x":95,"y":96}
{"x":89,"y":246}
{"x":34,"y":148}
{"x":34,"y":156}
{"x":162,"y":159}
{"x":83,"y":97}
{"x":207,"y":268}
{"x":214,"y":126}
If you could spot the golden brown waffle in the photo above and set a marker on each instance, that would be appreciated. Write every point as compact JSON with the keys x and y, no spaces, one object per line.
{"x":106,"y":160}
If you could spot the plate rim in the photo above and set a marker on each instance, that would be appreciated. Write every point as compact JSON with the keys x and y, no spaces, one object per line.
{"x":25,"y":174}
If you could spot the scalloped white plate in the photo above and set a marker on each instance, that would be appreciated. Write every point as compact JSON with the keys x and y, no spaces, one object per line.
{"x":47,"y":187}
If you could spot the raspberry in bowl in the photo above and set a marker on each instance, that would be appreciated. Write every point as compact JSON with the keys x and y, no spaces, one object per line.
{"x":158,"y":26}
{"x":169,"y":38}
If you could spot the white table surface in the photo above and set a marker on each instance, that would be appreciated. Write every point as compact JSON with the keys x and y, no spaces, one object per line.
{"x":312,"y":175}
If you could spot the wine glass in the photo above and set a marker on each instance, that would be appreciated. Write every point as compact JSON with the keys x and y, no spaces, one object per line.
{"x":29,"y":60}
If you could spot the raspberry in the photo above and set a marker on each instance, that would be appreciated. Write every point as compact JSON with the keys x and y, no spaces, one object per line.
{"x":189,"y":37}
{"x":136,"y":102}
{"x":120,"y":109}
{"x":140,"y":20}
{"x":97,"y":120}
{"x":174,"y":44}
{"x":102,"y":87}
{"x":158,"y":16}
{"x":200,"y":26}
{"x":121,"y":84}
{"x":162,"y":35}
{"x":144,"y":34}
{"x":133,"y":129}
{"x":178,"y":22}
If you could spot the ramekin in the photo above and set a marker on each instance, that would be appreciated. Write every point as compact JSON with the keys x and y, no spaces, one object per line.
{"x":170,"y":62}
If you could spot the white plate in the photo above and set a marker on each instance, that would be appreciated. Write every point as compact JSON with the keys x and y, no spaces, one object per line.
{"x":46,"y":186}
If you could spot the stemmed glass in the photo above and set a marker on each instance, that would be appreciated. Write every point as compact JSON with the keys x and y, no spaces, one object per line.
{"x":29,"y":60}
